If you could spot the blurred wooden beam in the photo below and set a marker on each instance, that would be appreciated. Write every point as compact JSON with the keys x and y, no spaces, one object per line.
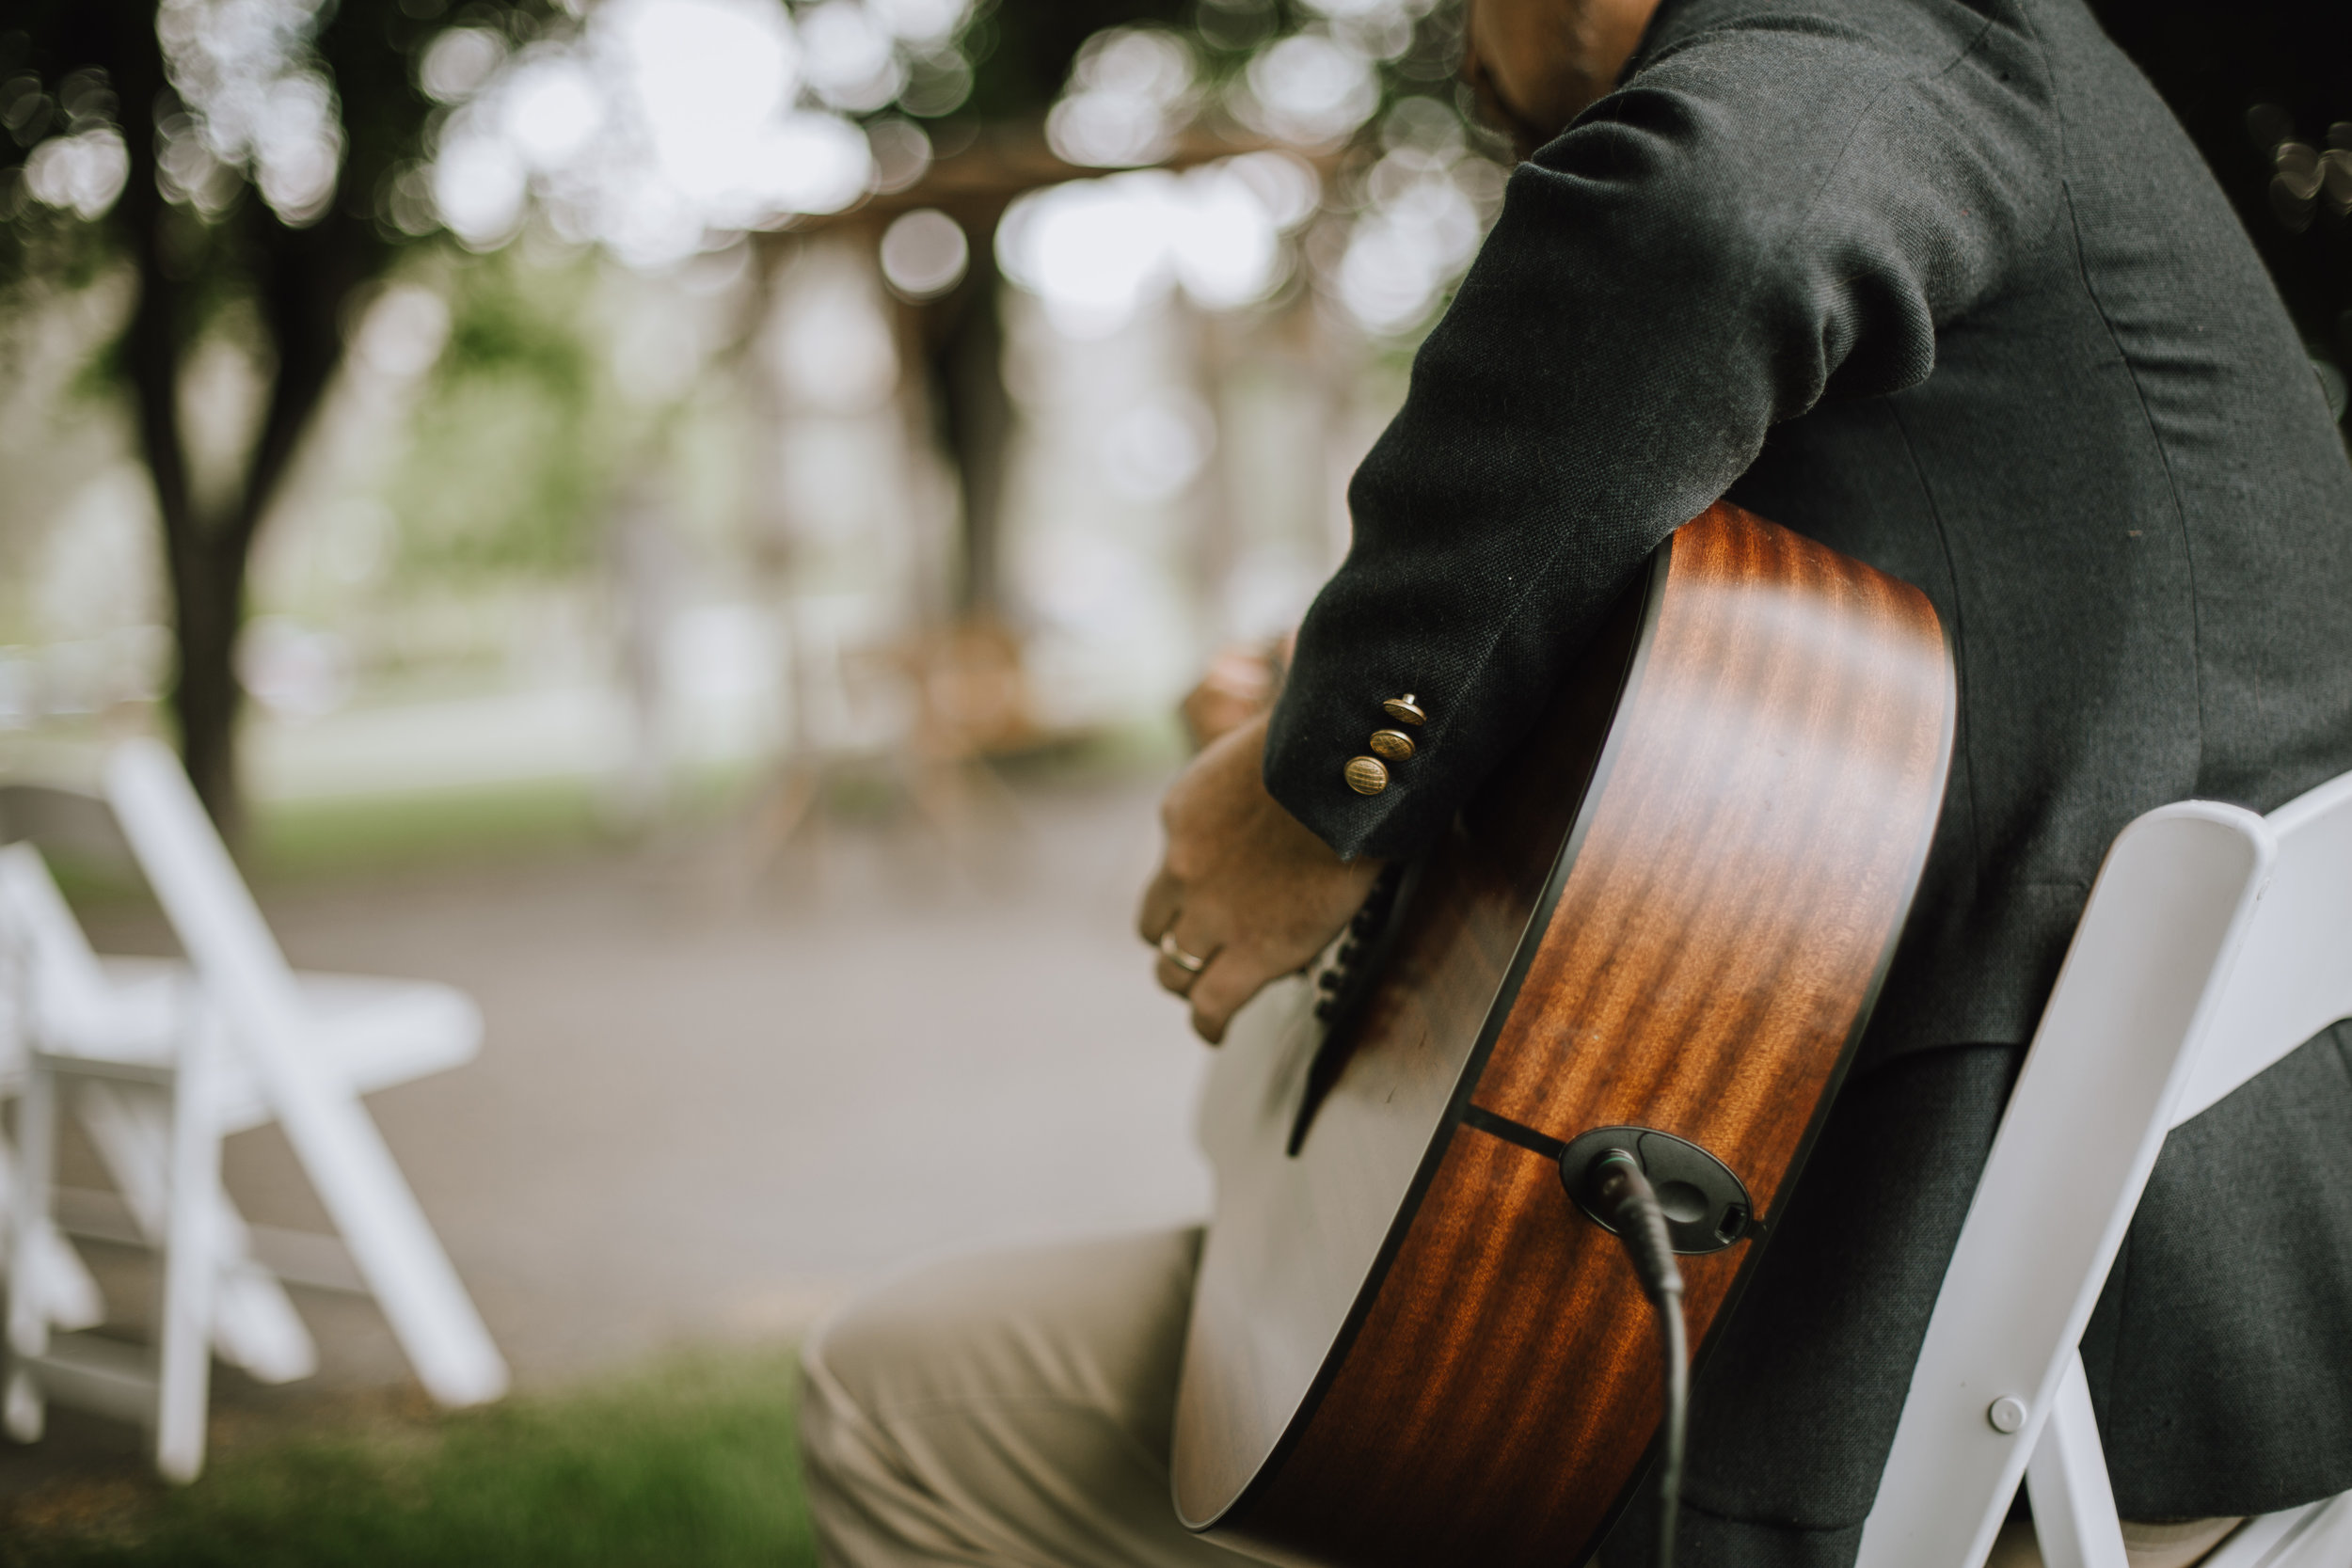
{"x":956,"y":341}
{"x":975,"y":183}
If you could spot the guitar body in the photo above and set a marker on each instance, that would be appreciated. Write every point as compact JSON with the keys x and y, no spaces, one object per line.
{"x":1671,"y":910}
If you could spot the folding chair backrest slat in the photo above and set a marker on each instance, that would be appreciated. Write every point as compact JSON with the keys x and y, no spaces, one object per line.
{"x":2115,"y":1048}
{"x":65,"y":981}
{"x":2294,"y":978}
{"x":220,"y":926}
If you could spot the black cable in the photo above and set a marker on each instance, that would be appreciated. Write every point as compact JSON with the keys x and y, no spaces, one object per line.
{"x":1621,"y":1195}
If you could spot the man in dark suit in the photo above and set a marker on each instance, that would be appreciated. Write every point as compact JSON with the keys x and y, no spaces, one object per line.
{"x":1943,"y":285}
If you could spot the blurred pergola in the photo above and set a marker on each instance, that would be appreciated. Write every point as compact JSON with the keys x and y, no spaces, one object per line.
{"x":967,"y":673}
{"x":957,"y":337}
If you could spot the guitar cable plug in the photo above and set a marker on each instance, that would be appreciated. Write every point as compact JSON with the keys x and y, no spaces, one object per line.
{"x":1617,"y":1191}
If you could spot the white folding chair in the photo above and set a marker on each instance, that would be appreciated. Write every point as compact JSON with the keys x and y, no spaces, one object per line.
{"x":113,"y":1025}
{"x":2216,"y":942}
{"x":166,"y":1388}
{"x":167,"y":1057}
{"x":46,"y":1269}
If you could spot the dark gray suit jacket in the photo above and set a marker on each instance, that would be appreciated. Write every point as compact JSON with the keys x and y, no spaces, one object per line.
{"x":1945,"y":285}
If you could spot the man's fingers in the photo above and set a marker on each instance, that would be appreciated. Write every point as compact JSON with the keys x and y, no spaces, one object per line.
{"x":1161,"y":902}
{"x":1221,"y":989}
{"x":1173,"y":978}
{"x":1189,"y":940}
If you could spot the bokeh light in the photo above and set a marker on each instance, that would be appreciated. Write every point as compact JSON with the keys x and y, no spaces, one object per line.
{"x":852,"y":61}
{"x":924,"y":24}
{"x":245,"y":69}
{"x":667,"y":125}
{"x":1097,"y":252}
{"x":902,"y":153}
{"x":1156,"y":448}
{"x":1421,"y":225}
{"x":1130,"y":92}
{"x":1311,"y":89}
{"x":82,"y":173}
{"x":924,"y":254}
{"x":458,"y":62}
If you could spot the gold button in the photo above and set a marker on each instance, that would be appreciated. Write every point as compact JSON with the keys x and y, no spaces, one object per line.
{"x":1396,"y":745}
{"x":1405,"y":710}
{"x":1366,"y":775}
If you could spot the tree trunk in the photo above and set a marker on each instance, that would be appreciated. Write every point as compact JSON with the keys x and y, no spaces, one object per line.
{"x":966,"y":369}
{"x":300,"y":279}
{"x":207,"y":591}
{"x":209,"y":556}
{"x":208,"y":601}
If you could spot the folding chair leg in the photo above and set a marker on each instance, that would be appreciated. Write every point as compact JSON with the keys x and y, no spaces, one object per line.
{"x":183,"y":1346}
{"x":68,"y":1291}
{"x":2074,"y":1503}
{"x":22,"y":1409}
{"x":53,"y":1271}
{"x":255,"y":1325}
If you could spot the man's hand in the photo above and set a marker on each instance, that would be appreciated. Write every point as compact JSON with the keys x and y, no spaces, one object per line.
{"x":1245,"y":891}
{"x":1239,"y":685}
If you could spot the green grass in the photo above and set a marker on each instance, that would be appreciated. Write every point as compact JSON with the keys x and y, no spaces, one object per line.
{"x":297,"y":839}
{"x":347,"y":836}
{"x":359,"y":834}
{"x":690,"y":1463}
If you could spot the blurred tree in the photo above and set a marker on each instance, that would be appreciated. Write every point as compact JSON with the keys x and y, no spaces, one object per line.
{"x":250,"y":153}
{"x":1024,"y":57}
{"x":256,"y":153}
{"x":519,"y":427}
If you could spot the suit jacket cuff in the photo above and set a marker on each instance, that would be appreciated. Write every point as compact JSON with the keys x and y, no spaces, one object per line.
{"x":1319,"y":726}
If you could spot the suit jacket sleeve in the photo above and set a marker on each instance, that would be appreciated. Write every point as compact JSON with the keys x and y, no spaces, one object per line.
{"x":1762,"y":214}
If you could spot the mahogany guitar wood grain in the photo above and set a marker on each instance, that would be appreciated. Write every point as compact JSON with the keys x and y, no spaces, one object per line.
{"x":1672,"y":910}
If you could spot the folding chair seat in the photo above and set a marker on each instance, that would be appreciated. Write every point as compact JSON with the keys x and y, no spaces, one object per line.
{"x":2216,"y":942}
{"x":377,"y":1032}
{"x":159,"y":1059}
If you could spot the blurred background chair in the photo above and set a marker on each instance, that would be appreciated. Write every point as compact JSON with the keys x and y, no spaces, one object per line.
{"x":158,"y":1059}
{"x":2216,"y":942}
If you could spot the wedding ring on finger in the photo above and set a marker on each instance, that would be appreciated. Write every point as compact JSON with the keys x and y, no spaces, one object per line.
{"x":1178,"y":956}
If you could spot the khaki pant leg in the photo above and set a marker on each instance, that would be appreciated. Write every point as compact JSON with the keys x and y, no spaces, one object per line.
{"x":1009,"y":1408}
{"x":2177,"y":1545}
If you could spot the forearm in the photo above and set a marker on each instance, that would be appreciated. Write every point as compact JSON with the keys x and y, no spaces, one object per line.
{"x":1697,"y":261}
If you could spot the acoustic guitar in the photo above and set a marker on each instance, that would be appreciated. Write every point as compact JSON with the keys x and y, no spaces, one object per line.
{"x":1660,"y":927}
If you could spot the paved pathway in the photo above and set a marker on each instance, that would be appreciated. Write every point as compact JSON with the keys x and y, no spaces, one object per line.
{"x":698,"y":1117}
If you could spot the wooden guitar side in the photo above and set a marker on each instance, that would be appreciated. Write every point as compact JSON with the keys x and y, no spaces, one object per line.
{"x":1672,"y":910}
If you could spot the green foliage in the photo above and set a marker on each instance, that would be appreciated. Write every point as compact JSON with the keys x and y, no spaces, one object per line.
{"x":71,"y":65}
{"x":48,"y":246}
{"x":508,"y":322}
{"x":514,"y":445}
{"x":1021,"y":50}
{"x":690,"y":1463}
{"x":39,"y":43}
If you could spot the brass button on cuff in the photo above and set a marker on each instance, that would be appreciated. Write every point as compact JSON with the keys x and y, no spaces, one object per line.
{"x":1370,"y":775}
